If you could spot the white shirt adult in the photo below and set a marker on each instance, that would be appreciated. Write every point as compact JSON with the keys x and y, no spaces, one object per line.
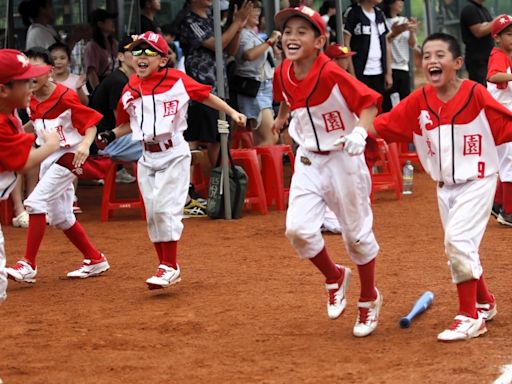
{"x":39,"y":35}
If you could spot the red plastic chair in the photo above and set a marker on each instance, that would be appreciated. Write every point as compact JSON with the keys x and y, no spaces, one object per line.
{"x":405,"y":154}
{"x":242,"y":139}
{"x":248,"y":160}
{"x":389,"y":176}
{"x":272,"y":173}
{"x":110,"y":202}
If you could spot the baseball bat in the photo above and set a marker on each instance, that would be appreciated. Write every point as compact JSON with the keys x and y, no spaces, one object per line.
{"x":419,"y":307}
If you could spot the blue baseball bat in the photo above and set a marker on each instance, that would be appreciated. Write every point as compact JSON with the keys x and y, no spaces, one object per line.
{"x":420,"y":306}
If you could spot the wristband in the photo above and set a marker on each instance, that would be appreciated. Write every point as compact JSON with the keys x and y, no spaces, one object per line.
{"x":270,"y":43}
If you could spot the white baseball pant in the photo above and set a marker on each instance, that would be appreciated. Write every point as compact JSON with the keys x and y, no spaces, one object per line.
{"x":505,"y":161}
{"x":342,"y":183}
{"x":164,"y":179}
{"x":465,"y":210}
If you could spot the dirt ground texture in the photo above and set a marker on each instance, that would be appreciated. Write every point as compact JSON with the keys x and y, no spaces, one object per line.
{"x":247,"y":310}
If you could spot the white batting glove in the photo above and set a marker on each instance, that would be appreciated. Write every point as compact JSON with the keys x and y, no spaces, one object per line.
{"x":355,"y":142}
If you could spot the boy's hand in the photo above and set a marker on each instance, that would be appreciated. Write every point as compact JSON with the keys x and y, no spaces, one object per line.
{"x":355,"y":142}
{"x":105,"y":138}
{"x":239,"y":119}
{"x":81,"y":154}
{"x":278,"y":125}
{"x":51,"y":139}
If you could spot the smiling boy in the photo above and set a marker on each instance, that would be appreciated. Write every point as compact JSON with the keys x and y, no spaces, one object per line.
{"x":153,"y":107}
{"x":455,"y":125}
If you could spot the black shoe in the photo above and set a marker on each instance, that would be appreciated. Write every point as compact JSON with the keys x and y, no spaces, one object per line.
{"x":505,"y":219}
{"x":496,"y":210}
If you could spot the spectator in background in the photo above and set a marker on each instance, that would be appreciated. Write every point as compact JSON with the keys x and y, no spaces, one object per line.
{"x":148,"y":10}
{"x":255,"y":60}
{"x":37,"y":15}
{"x":328,"y":12}
{"x":365,"y":32}
{"x":60,"y":55}
{"x":401,"y":38}
{"x":101,"y":52}
{"x":169,"y":35}
{"x":475,"y":25}
{"x":105,"y":100}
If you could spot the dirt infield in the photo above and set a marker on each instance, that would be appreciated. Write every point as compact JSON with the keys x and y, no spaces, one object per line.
{"x":247,"y":310}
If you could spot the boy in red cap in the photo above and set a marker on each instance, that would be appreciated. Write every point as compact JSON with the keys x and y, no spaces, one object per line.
{"x":16,"y":152}
{"x":330,"y":171}
{"x":499,"y":84}
{"x":153,"y":107}
{"x":56,"y":107}
{"x":340,"y":55}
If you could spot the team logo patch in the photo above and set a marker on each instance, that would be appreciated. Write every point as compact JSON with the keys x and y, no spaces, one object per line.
{"x":23,"y":60}
{"x":60,"y":131}
{"x":332,"y":121}
{"x":424,"y":120}
{"x":472,"y":145}
{"x":170,"y":107}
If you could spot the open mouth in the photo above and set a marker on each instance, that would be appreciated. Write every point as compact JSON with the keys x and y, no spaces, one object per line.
{"x":142,"y":65}
{"x":435,"y":73}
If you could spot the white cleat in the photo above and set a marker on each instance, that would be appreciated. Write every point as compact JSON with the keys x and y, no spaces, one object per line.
{"x":90,"y":268}
{"x":165,"y":277}
{"x":368,"y":316}
{"x":488,"y":310}
{"x":337,"y":301}
{"x":22,"y":272}
{"x":464,"y":328}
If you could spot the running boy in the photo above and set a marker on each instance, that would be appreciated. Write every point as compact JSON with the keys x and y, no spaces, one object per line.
{"x":455,"y":125}
{"x":16,"y":153}
{"x":499,"y":84}
{"x":324,"y":101}
{"x":56,"y":107}
{"x":153,"y":107}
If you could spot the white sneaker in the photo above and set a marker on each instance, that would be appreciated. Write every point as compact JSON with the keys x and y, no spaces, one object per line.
{"x":90,"y":268}
{"x":123,"y":177}
{"x":464,"y":328}
{"x":488,"y":310}
{"x":21,"y":221}
{"x":337,"y":301}
{"x":368,"y":316}
{"x":165,"y":277}
{"x":22,"y":272}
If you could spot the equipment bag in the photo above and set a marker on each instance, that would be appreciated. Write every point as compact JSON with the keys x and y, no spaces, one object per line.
{"x":237,"y":188}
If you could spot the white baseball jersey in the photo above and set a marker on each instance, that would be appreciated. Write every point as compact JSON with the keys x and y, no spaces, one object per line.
{"x":156,"y":109}
{"x":500,"y":62}
{"x":325,"y":106}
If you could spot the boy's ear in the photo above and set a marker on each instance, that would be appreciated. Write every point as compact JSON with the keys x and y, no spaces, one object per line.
{"x":320,"y":42}
{"x":459,"y":62}
{"x":163,"y":61}
{"x":4,"y":91}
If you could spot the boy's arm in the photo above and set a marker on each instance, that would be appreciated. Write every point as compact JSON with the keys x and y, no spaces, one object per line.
{"x":217,"y":103}
{"x":82,"y":151}
{"x":28,"y":127}
{"x":281,"y":118}
{"x":37,"y":155}
{"x":500,"y":77}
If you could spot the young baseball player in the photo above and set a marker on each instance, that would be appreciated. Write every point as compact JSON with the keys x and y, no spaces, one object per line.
{"x":324,"y":101}
{"x":153,"y":107}
{"x":455,"y":126}
{"x":56,"y":107}
{"x":16,"y":152}
{"x":499,"y":84}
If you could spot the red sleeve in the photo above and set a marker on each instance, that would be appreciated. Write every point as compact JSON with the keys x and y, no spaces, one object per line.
{"x":276,"y":84}
{"x":14,"y":146}
{"x":499,"y":117}
{"x":399,"y":124}
{"x":357,"y":94}
{"x":197,"y":91}
{"x":82,"y":117}
{"x":498,"y":63}
{"x":122,"y":117}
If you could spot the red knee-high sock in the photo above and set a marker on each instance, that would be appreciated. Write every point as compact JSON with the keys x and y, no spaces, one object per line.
{"x":76,"y":234}
{"x":169,"y":251}
{"x":483,"y":296}
{"x":325,"y":265}
{"x":498,"y":196}
{"x":367,"y":279}
{"x":159,"y":251}
{"x":467,"y":298}
{"x":36,"y":228}
{"x":506,"y":202}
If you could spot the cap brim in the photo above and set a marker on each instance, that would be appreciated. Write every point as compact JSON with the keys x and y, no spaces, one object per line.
{"x":140,"y":41}
{"x":33,"y":71}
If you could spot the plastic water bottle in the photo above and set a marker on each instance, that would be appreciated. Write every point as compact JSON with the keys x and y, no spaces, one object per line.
{"x":407,"y":176}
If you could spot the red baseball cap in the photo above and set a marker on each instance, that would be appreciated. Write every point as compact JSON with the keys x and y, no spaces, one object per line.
{"x":500,"y":23}
{"x":153,"y":39}
{"x":15,"y":66}
{"x":336,"y":51}
{"x":309,"y":14}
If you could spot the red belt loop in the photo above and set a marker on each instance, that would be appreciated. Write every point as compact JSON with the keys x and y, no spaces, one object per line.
{"x":158,"y":147}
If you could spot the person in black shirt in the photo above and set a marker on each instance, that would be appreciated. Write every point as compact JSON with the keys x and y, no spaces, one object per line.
{"x":148,"y":10}
{"x":475,"y":25}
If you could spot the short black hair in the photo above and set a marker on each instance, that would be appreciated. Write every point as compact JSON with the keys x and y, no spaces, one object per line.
{"x":453,"y":44}
{"x":61,"y":46}
{"x":39,"y":53}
